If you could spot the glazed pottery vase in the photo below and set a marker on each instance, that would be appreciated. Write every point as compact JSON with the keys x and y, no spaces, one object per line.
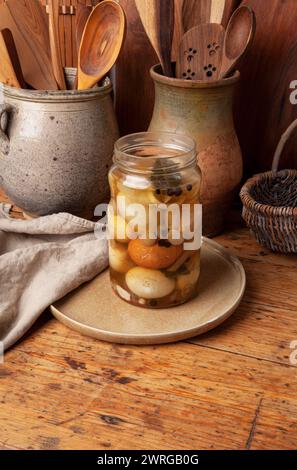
{"x":203,"y":111}
{"x":56,"y":149}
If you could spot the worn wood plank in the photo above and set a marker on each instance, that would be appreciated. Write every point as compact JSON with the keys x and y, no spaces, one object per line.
{"x":69,"y":391}
{"x":274,"y":419}
{"x":265,"y":323}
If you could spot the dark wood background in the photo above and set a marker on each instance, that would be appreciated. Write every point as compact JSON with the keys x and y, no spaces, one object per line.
{"x":262,"y":106}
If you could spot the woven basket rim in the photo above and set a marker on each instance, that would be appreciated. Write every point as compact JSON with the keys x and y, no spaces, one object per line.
{"x":258,"y":208}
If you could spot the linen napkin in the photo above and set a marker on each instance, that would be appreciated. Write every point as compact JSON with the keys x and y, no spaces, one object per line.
{"x":41,"y":260}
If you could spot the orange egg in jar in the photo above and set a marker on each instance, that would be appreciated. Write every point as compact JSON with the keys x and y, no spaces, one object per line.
{"x":155,"y":220}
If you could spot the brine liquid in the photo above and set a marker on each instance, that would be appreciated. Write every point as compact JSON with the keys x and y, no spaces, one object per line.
{"x":153,"y":273}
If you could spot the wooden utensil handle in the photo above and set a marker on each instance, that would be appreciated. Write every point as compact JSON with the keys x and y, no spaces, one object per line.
{"x":4,"y":139}
{"x":284,"y":139}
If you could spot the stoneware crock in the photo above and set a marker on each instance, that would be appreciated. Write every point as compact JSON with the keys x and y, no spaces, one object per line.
{"x":203,"y":111}
{"x":56,"y":149}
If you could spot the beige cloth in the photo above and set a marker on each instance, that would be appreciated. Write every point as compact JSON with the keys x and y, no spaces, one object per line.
{"x":42,"y":260}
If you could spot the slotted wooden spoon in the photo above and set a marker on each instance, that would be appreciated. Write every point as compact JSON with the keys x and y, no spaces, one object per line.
{"x":101,"y":43}
{"x":200,"y":53}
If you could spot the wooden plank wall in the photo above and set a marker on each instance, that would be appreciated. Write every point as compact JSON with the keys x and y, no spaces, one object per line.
{"x":67,"y":30}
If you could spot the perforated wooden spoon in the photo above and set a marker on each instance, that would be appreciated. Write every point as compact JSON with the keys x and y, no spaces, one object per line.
{"x":200,"y":53}
{"x":101,"y":43}
{"x":239,"y":35}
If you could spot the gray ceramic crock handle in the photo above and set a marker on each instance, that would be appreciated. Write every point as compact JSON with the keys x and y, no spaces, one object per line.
{"x":4,"y":140}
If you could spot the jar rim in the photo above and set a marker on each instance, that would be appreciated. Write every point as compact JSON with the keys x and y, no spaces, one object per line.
{"x":179,"y":150}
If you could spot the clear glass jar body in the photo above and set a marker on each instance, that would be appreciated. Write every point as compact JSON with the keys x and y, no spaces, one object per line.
{"x":155,"y":220}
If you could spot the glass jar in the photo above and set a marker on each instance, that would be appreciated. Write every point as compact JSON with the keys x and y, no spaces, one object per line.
{"x":154,"y":219}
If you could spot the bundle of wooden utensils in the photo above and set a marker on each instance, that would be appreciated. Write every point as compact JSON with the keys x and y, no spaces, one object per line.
{"x":30,"y":49}
{"x":206,"y":50}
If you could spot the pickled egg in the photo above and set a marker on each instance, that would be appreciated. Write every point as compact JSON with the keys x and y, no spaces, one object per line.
{"x":118,"y":229}
{"x":119,"y":259}
{"x":123,"y":202}
{"x":148,"y":283}
{"x":157,"y":256}
{"x":140,"y":196}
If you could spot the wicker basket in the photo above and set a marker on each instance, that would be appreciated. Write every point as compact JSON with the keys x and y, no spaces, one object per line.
{"x":270,"y":204}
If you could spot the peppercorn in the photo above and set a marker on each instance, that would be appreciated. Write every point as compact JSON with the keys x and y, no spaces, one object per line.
{"x":164,"y":243}
{"x":170,"y":192}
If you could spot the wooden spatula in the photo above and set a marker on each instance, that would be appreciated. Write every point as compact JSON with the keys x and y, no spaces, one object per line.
{"x":200,"y":54}
{"x":10,"y":68}
{"x":53,"y":7}
{"x":27,"y":21}
{"x":178,"y":31}
{"x":82,"y":14}
{"x":157,"y":17}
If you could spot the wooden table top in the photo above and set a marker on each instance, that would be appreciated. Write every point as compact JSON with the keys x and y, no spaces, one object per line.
{"x":233,"y":388}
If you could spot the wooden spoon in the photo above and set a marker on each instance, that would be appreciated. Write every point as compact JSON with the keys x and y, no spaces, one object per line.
{"x":239,"y":35}
{"x":101,"y":43}
{"x":157,"y":17}
{"x":10,"y":68}
{"x":82,"y":14}
{"x":27,"y":21}
{"x":200,"y":54}
{"x":53,"y":9}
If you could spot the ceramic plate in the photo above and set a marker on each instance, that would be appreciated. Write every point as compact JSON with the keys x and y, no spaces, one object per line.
{"x":96,"y":311}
